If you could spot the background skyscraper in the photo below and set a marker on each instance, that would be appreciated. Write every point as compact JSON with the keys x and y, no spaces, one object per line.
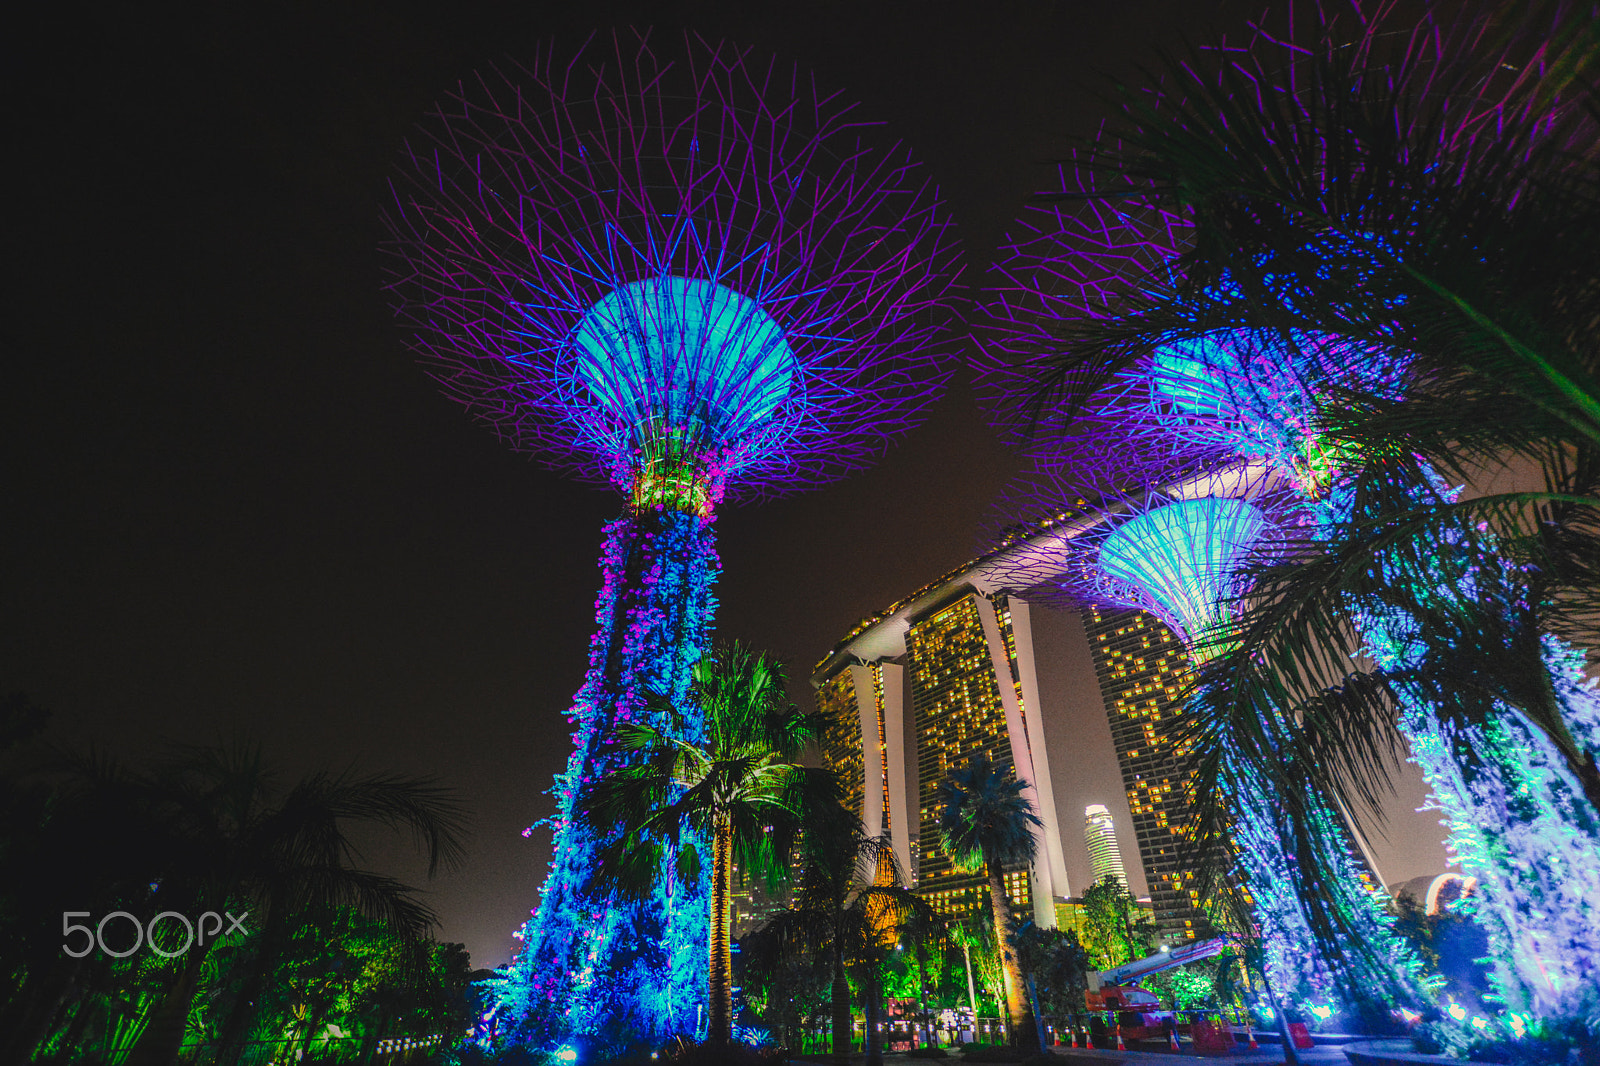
{"x":1037,"y":690}
{"x":1142,"y":667}
{"x":1100,"y":834}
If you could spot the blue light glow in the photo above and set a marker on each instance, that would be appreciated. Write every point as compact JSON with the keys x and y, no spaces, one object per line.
{"x":590,"y":964}
{"x":1183,"y":556}
{"x":684,"y":352}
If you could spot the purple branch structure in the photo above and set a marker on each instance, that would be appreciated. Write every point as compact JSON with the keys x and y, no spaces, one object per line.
{"x":641,"y":256}
{"x":689,"y":272}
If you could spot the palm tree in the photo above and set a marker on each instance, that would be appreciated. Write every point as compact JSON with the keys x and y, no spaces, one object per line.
{"x":246,"y":843}
{"x":740,"y":794}
{"x":846,"y":915}
{"x":206,"y":829}
{"x":986,"y":823}
{"x":82,"y":835}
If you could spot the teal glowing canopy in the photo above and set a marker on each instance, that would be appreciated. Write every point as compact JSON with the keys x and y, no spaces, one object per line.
{"x":684,"y":353}
{"x":1206,"y":377}
{"x":1184,"y":557}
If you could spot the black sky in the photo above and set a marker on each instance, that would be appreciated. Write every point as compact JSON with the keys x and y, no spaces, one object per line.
{"x":232,"y":504}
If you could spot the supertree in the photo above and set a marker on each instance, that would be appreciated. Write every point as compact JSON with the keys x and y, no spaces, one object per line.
{"x":1284,"y":321}
{"x":1148,"y":530}
{"x":689,"y":272}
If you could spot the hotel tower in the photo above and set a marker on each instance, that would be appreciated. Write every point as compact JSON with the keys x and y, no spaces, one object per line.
{"x":967,"y":665}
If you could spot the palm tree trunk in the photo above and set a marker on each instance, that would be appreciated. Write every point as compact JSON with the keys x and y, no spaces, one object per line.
{"x":924,"y":1030}
{"x":1017,"y":1012}
{"x":1588,"y":775}
{"x":230,"y":1045}
{"x":721,"y":979}
{"x":972,"y":992}
{"x":163,"y":1036}
{"x":314,"y":1026}
{"x":874,"y":1039}
{"x":841,"y":1003}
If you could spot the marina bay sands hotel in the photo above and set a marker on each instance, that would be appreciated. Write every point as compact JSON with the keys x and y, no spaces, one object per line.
{"x":1077,"y":703}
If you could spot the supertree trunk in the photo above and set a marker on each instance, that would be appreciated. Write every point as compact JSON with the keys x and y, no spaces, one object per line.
{"x":1518,"y":823}
{"x":1518,"y":818}
{"x":590,"y":964}
{"x":674,"y":267}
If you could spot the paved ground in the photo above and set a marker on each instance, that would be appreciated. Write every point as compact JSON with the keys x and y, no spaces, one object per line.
{"x":1266,"y":1054}
{"x":1320,"y":1056}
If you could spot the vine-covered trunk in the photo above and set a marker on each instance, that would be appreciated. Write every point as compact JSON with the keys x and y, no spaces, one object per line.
{"x":721,"y":978}
{"x":639,"y":965}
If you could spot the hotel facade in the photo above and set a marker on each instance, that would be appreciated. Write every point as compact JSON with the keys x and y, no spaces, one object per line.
{"x":1071,"y":701}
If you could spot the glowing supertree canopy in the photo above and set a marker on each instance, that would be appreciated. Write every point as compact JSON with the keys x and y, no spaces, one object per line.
{"x":1129,"y":531}
{"x":679,"y":263}
{"x":687,"y":272}
{"x":1184,"y":557}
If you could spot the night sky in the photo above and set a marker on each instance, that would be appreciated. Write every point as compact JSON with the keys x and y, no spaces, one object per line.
{"x":233,"y":506}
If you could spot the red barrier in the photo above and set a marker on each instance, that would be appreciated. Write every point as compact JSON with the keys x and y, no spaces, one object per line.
{"x":1212,"y":1038}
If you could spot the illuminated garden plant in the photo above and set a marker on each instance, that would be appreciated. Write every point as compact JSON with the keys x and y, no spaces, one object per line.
{"x":691,"y":273}
{"x":1126,"y":309}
